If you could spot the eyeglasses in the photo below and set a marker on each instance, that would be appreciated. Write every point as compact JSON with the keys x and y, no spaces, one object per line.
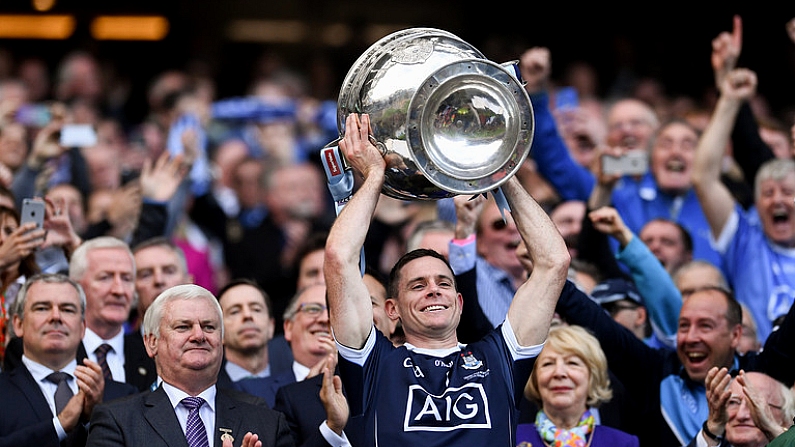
{"x":311,"y":309}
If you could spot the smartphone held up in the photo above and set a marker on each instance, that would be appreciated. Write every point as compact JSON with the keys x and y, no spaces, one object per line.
{"x":633,"y":162}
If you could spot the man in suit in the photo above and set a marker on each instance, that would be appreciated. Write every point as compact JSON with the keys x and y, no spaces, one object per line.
{"x":34,"y":409}
{"x":309,"y":418}
{"x":306,"y":328}
{"x":105,"y":267}
{"x":183,"y":332}
{"x":159,"y":264}
{"x":248,"y":331}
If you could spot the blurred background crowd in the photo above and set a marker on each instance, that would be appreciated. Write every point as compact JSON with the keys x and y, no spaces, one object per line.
{"x":240,"y":96}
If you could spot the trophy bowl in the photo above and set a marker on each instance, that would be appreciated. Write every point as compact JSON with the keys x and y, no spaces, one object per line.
{"x":449,"y":120}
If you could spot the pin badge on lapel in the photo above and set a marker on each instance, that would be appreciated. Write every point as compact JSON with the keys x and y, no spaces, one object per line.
{"x":226,"y":435}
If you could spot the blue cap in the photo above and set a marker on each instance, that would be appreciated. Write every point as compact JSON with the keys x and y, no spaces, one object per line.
{"x":615,"y":289}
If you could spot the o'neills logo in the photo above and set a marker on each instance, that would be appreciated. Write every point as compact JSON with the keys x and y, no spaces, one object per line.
{"x":331,"y":162}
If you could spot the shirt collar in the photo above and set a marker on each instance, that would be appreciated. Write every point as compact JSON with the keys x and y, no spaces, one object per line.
{"x":91,"y":342}
{"x":40,"y":372}
{"x":175,"y":395}
{"x":237,"y":372}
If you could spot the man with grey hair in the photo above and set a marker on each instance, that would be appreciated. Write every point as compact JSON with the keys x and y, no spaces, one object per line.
{"x":50,"y":396}
{"x":756,"y":248}
{"x":159,"y":264}
{"x":749,"y":410}
{"x":183,"y":332}
{"x":105,"y":268}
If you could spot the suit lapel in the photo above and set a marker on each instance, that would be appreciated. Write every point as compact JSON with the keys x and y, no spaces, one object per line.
{"x":161,"y":416}
{"x":20,"y":376}
{"x":81,"y":353}
{"x":227,"y":417}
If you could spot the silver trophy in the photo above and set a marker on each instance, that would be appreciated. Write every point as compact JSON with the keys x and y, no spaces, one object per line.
{"x":449,"y":121}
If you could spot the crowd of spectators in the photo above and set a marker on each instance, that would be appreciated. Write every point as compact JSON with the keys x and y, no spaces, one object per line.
{"x":236,"y":187}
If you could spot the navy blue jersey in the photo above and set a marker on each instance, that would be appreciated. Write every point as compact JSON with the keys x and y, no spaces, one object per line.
{"x":466,"y":395}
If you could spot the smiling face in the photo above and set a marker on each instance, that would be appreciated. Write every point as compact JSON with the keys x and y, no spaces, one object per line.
{"x":428,"y":304}
{"x":189,"y":350}
{"x":775,"y":203}
{"x":497,"y":239}
{"x":672,"y":157}
{"x":705,"y":337}
{"x":562,"y":380}
{"x":631,"y":124}
{"x":308,"y":330}
{"x":52,"y":323}
{"x":740,"y":428}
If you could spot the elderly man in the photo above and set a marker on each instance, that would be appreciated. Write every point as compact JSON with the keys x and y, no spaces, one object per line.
{"x":432,"y":390}
{"x":50,"y":397}
{"x":750,"y":412}
{"x":105,"y":268}
{"x":183,"y":332}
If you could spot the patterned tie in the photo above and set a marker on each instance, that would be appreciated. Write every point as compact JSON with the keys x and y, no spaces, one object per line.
{"x":195,"y":432}
{"x":63,"y":393}
{"x":102,"y":352}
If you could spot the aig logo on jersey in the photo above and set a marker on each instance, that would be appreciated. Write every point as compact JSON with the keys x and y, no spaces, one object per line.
{"x":464,"y":407}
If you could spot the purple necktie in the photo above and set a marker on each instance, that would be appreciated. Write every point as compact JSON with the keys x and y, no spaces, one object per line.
{"x":194,"y":430}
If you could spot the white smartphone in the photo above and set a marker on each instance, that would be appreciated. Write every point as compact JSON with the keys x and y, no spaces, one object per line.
{"x":78,"y":135}
{"x":634,"y":162}
{"x":32,"y":211}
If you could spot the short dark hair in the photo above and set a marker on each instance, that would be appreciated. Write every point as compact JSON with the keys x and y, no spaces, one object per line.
{"x":394,"y":274}
{"x":316,"y":241}
{"x":734,"y":312}
{"x":247,"y":282}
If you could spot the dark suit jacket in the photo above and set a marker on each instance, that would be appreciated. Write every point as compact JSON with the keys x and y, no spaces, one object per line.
{"x":148,"y":419}
{"x":266,"y":387}
{"x":300,"y":402}
{"x":139,"y":368}
{"x":26,"y":418}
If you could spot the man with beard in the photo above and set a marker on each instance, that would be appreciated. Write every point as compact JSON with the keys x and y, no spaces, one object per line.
{"x":756,"y":248}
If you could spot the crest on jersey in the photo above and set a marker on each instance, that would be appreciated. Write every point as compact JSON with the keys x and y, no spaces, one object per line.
{"x":470,"y":362}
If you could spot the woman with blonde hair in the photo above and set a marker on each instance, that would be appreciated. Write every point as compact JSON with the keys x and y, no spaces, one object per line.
{"x":570,"y":378}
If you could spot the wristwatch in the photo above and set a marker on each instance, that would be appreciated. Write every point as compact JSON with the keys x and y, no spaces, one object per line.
{"x":709,"y":434}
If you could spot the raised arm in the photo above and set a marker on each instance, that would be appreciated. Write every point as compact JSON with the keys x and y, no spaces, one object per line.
{"x":533,"y":305}
{"x":350,"y":309}
{"x":716,"y":200}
